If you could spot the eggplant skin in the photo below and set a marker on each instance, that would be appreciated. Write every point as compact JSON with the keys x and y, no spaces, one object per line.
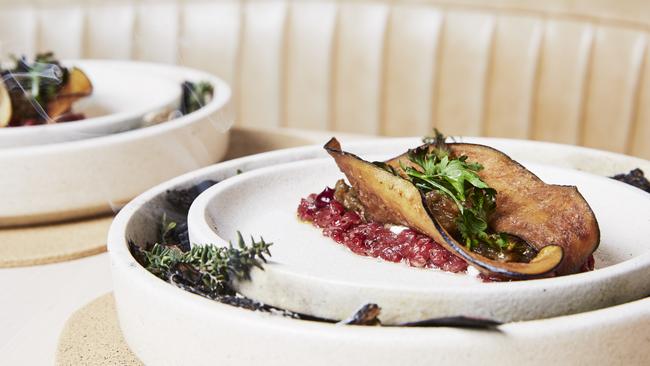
{"x":556,"y":220}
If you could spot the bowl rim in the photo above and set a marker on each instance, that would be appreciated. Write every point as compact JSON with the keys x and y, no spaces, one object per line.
{"x":221,"y":97}
{"x":122,"y":260}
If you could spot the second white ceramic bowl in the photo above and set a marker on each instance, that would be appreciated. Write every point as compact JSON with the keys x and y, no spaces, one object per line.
{"x":123,"y":94}
{"x":98,"y":175}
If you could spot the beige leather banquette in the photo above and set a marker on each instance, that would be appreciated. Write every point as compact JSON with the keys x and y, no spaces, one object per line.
{"x":379,"y":67}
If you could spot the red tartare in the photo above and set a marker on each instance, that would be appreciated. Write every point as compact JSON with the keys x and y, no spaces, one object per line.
{"x":373,"y":239}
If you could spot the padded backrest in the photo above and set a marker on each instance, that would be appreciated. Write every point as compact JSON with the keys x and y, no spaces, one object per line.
{"x":379,"y":67}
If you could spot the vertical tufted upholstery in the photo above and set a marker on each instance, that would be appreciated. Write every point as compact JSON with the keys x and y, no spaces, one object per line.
{"x":382,"y":67}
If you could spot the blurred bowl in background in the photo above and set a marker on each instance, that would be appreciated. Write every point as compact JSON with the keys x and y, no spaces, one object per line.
{"x":93,"y":176}
{"x":123,"y":94}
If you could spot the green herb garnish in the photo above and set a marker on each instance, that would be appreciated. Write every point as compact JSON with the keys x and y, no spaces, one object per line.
{"x":207,"y":269}
{"x":44,"y":89}
{"x":32,"y":86}
{"x":434,"y":169}
{"x":195,"y":96}
{"x":438,"y":140}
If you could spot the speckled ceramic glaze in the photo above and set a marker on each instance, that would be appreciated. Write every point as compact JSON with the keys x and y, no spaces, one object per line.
{"x":151,"y":310}
{"x":87,"y":177}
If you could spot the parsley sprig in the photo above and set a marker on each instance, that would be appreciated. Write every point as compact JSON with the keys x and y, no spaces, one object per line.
{"x":434,"y":169}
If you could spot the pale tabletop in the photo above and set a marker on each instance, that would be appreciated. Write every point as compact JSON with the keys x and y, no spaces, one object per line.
{"x":37,"y":301}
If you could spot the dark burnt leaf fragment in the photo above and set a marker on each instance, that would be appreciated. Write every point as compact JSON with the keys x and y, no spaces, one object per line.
{"x":178,"y":203}
{"x":368,"y":314}
{"x":189,"y":278}
{"x":250,"y":304}
{"x":455,"y":321}
{"x":181,"y":199}
{"x":243,"y":302}
{"x":635,"y":178}
{"x":137,"y":252}
{"x":182,"y":236}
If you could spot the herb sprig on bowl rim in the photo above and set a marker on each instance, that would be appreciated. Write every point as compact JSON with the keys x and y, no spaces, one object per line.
{"x":207,"y":269}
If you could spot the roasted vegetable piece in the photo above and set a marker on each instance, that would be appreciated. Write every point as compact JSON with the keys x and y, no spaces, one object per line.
{"x":77,"y":87}
{"x":555,"y":220}
{"x":42,"y":91}
{"x":5,"y":105}
{"x":541,"y":214}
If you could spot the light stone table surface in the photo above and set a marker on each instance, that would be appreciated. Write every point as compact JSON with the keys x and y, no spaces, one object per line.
{"x":36,"y":301}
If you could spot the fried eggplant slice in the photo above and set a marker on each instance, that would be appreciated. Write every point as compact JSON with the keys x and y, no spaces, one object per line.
{"x":389,"y":198}
{"x":541,"y":214}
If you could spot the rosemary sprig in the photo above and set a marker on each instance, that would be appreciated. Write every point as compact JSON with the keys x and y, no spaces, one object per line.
{"x":208,"y":269}
{"x":435,"y":169}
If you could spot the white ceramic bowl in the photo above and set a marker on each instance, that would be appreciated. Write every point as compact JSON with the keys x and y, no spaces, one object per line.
{"x":164,"y":325}
{"x":311,"y":274}
{"x":123,"y":93}
{"x":93,"y":176}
